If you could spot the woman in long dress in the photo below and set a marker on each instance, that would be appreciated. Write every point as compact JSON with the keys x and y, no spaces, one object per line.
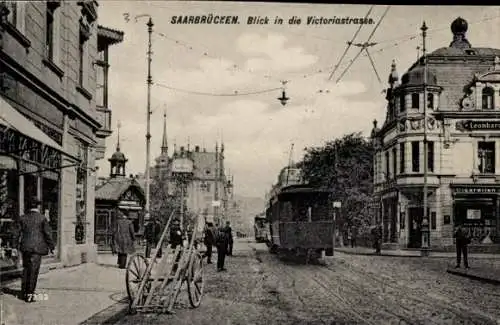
{"x":123,"y":239}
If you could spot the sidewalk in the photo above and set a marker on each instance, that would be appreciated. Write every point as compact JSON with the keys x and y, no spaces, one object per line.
{"x":485,"y":268}
{"x":72,"y":294}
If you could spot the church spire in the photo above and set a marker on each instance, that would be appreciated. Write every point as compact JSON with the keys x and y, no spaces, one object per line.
{"x":119,"y":125}
{"x":164,"y":142}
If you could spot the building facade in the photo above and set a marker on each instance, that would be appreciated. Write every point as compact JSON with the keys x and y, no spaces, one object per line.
{"x":208,"y":191}
{"x":463,"y":133}
{"x":52,"y":127}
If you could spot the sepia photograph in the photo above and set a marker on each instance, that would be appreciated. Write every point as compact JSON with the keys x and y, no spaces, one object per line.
{"x":249,"y":163}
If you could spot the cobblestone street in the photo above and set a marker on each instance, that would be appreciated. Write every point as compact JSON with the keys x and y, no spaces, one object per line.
{"x":261,"y":289}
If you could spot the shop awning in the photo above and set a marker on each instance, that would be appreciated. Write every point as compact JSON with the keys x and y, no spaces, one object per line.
{"x":11,"y":118}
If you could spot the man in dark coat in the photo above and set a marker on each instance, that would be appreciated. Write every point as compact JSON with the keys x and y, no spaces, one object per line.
{"x":229,"y":233}
{"x":123,"y":239}
{"x":209,"y":241}
{"x":152,"y":232}
{"x":377,"y":238}
{"x":176,"y":239}
{"x":461,"y":242}
{"x":222,"y":241}
{"x":33,"y":238}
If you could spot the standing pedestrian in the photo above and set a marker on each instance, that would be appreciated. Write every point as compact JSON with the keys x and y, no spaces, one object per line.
{"x":152,"y":232}
{"x":461,"y":241}
{"x":354,"y":234}
{"x":32,"y":236}
{"x":377,"y":238}
{"x":176,"y":239}
{"x":123,"y":239}
{"x":222,"y":244}
{"x":229,"y":233}
{"x":209,"y":241}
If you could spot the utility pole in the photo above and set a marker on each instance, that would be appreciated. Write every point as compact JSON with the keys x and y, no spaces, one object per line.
{"x":425,"y":220}
{"x":148,"y":117}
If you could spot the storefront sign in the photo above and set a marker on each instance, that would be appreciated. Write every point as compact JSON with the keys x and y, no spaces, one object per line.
{"x":182,"y":165}
{"x":471,"y":190}
{"x":17,"y":145}
{"x":471,"y":125}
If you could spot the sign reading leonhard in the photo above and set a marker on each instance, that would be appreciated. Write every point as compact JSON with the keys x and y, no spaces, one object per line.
{"x":472,"y":125}
{"x":476,"y":189}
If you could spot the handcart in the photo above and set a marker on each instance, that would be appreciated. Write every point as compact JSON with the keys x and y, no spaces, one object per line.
{"x":154,"y":285}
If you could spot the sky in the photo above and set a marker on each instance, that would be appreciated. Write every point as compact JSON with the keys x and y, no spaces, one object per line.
{"x":208,"y":64}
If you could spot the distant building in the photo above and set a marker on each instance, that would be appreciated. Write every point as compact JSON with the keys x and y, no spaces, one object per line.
{"x":118,"y":192}
{"x":463,"y":107}
{"x":53,"y":118}
{"x":209,"y":190}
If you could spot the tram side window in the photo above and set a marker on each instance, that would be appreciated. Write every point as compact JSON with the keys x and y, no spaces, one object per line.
{"x":300,"y":211}
{"x":320,"y":210}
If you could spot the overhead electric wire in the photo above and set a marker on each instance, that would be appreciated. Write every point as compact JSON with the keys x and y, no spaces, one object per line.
{"x":364,"y":47}
{"x":201,"y":93}
{"x":349,"y":44}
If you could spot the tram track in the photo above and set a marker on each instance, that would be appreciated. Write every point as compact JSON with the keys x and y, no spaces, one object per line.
{"x":403,"y":293}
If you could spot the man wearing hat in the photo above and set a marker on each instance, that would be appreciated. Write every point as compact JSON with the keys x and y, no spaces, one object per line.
{"x":176,"y":239}
{"x":33,"y":238}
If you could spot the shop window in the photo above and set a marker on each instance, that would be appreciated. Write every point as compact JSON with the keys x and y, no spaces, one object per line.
{"x":9,"y":211}
{"x":394,"y":161}
{"x":486,"y":157}
{"x":415,"y":156}
{"x":50,"y":203}
{"x":81,"y":196}
{"x":430,"y":156}
{"x":402,"y":158}
{"x":415,"y":101}
{"x":487,"y":96}
{"x":433,"y":220}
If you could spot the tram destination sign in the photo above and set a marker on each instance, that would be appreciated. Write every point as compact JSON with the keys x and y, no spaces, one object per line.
{"x":472,"y":190}
{"x":472,"y":125}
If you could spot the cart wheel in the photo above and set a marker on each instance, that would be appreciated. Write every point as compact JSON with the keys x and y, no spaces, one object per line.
{"x":196,"y":282}
{"x":136,"y":270}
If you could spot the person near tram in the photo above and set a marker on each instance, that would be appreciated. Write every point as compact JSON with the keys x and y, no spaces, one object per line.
{"x":152,"y":233}
{"x":222,"y":242}
{"x":461,"y":241}
{"x":176,"y":239}
{"x":123,"y":239}
{"x":32,"y":237}
{"x":209,"y":241}
{"x":229,"y":232}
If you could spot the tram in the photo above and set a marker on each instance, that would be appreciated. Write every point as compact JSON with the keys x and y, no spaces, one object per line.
{"x":301,"y":220}
{"x":261,"y":228}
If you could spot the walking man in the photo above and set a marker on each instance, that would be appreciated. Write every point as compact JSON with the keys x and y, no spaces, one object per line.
{"x":222,"y":244}
{"x":461,"y":242}
{"x":209,"y":241}
{"x":152,"y":232}
{"x":229,"y":233}
{"x":33,"y":238}
{"x":123,"y":239}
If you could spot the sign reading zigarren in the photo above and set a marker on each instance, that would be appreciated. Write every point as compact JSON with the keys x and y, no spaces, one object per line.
{"x":472,"y":125}
{"x":469,"y":190}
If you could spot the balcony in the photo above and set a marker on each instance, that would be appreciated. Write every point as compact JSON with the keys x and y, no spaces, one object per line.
{"x":104,"y":118}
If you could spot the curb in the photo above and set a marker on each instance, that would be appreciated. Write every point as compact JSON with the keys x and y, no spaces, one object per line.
{"x":382,"y":254}
{"x":474,"y":277}
{"x":110,"y":315}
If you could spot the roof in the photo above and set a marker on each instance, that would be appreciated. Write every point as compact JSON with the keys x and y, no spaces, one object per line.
{"x":113,"y":35}
{"x":115,"y":187}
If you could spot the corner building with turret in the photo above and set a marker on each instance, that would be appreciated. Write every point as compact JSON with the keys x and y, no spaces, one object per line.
{"x":463,"y":134}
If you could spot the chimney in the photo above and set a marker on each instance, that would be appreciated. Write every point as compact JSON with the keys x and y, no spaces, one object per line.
{"x":197,"y":149}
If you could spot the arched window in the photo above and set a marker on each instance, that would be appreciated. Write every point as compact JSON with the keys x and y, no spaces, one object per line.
{"x":430,"y":101}
{"x":415,"y":100}
{"x":402,"y":106}
{"x":488,"y":94}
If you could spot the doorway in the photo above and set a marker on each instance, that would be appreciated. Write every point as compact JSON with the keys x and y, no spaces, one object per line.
{"x":414,"y":227}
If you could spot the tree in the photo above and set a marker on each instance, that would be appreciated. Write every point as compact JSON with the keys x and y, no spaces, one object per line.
{"x":346,"y":167}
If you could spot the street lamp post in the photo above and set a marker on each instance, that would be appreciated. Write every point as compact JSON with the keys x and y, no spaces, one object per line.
{"x":425,"y":248}
{"x":148,"y":118}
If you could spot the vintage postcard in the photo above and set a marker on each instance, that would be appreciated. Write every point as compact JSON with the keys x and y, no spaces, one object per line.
{"x":224,"y":162}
